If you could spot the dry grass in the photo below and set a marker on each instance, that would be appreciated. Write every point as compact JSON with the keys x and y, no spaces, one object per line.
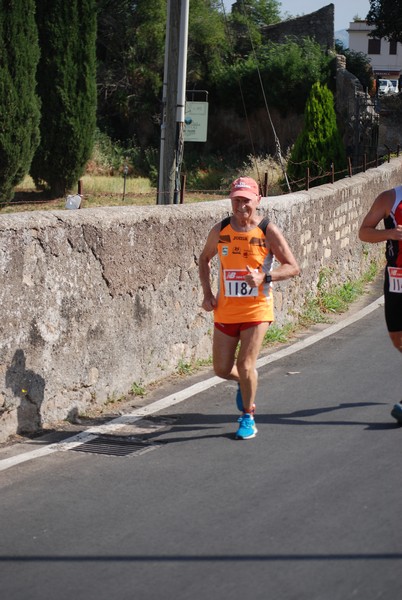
{"x":100,"y":184}
{"x":258,"y":166}
{"x":96,"y":191}
{"x":105,"y":190}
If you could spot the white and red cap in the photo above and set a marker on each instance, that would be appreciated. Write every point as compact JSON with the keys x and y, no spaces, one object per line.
{"x":245,"y":187}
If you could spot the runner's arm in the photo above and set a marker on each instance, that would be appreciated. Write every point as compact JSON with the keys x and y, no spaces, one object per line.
{"x":380,"y":209}
{"x":204,"y":268}
{"x":279,"y":247}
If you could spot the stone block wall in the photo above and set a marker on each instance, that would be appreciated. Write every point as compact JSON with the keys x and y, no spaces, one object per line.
{"x":95,"y":300}
{"x":318,"y":25}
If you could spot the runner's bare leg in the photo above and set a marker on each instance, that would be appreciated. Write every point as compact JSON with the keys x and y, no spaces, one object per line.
{"x":250,"y":345}
{"x":396,"y":338}
{"x":223,"y":353}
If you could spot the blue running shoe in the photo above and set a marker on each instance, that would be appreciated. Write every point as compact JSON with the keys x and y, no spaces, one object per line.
{"x":396,"y":412}
{"x":247,"y":428}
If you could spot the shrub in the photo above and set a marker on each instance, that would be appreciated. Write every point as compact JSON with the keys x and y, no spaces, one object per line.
{"x":67,"y":86}
{"x":19,"y":103}
{"x":319,"y":143}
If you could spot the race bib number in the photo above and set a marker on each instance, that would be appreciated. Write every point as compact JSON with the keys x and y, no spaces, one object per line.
{"x":395,"y":279}
{"x":235,"y":286}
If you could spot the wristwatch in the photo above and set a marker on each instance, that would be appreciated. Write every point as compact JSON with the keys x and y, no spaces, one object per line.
{"x":268,"y":278}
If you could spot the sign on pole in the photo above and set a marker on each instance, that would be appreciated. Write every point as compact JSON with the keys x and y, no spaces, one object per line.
{"x":196,"y":122}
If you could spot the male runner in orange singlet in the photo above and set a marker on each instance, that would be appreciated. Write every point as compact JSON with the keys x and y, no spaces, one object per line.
{"x":243,"y":308}
{"x":388,"y":207}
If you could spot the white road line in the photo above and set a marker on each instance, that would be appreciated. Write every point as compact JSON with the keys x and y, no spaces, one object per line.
{"x":322,"y":334}
{"x":177,"y":397}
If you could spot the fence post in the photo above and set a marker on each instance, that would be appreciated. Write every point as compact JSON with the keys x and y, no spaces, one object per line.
{"x":266,"y":184}
{"x":307,"y":178}
{"x":332,"y":172}
{"x":389,"y":152}
{"x":349,"y":166}
{"x":80,"y":187}
{"x":182,"y":188}
{"x":125,"y":173}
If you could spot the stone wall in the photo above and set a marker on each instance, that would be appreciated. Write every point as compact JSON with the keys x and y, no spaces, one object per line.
{"x":390,"y":133}
{"x":318,"y":25}
{"x":95,"y":300}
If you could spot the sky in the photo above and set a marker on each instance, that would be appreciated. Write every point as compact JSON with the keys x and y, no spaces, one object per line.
{"x":345,"y":10}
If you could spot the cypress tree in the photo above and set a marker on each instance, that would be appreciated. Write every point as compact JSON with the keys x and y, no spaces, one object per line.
{"x":319,"y":143}
{"x":19,"y":103}
{"x":67,"y":88}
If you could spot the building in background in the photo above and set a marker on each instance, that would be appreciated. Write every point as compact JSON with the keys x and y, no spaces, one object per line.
{"x":385,"y":55}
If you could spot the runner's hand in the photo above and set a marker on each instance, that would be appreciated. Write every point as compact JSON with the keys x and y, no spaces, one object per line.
{"x":254,"y":278}
{"x":209,"y":303}
{"x":396,"y":234}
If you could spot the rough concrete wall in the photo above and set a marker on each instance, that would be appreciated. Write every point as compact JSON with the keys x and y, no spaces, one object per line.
{"x":318,"y":25}
{"x":347,"y":85}
{"x":359,"y":120}
{"x":94,"y":300}
{"x":348,"y":89}
{"x":390,"y":133}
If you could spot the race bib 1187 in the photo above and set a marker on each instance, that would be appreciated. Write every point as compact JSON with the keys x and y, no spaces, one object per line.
{"x":235,"y":286}
{"x":395,"y":279}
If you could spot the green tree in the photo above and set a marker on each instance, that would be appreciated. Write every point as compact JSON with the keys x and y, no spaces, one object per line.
{"x":67,"y":87}
{"x":287,"y":72}
{"x":208,"y":43}
{"x":386,"y":16}
{"x":247,"y":18}
{"x":19,"y":103}
{"x":130,"y":50}
{"x":258,"y":12}
{"x":319,"y":143}
{"x":113,"y":74}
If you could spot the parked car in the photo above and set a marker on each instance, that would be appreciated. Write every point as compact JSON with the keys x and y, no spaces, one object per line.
{"x":395,"y":85}
{"x":385,"y":86}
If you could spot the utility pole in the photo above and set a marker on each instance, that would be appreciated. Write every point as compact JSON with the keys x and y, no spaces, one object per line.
{"x":173,"y":102}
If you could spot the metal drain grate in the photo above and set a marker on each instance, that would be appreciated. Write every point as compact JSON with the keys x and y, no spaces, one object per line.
{"x":109,"y":445}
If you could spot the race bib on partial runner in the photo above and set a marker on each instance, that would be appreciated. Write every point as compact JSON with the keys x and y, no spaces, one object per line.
{"x":395,"y":279}
{"x":235,"y":286}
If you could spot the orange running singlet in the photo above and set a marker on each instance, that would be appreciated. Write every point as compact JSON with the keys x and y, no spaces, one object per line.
{"x":238,"y":302}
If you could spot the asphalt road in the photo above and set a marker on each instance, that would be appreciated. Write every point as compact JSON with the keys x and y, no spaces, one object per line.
{"x":308,"y":510}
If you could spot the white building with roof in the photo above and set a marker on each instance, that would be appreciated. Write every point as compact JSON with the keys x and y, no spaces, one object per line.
{"x":385,"y":55}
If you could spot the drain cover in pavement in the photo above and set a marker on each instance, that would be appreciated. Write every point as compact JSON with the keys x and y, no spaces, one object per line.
{"x":110,"y":445}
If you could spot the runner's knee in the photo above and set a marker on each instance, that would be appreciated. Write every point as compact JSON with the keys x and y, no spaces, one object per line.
{"x":222,"y":371}
{"x":245,"y":368}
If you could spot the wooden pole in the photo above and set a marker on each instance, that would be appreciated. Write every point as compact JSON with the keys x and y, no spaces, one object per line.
{"x":168,"y":160}
{"x":173,"y":109}
{"x":266,"y":184}
{"x":182,"y":189}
